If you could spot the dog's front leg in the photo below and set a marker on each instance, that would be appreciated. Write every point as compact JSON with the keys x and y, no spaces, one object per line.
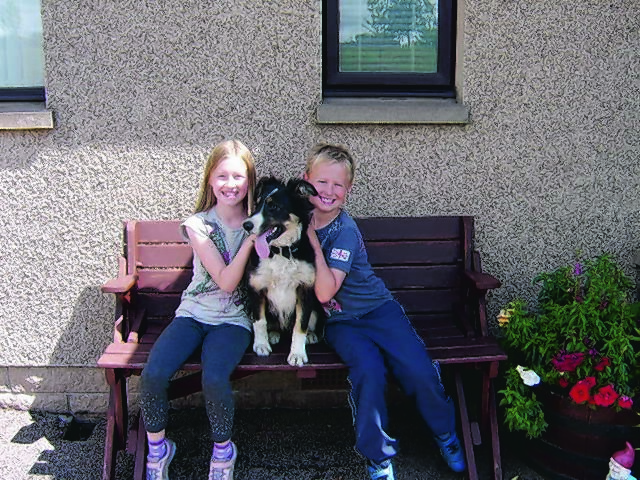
{"x":298,"y":354}
{"x":260,"y":335}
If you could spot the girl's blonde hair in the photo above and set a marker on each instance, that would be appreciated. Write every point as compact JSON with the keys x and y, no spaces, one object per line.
{"x":228,"y":148}
{"x":328,"y":153}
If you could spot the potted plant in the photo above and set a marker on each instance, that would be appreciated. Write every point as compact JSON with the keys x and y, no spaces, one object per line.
{"x":579,"y":342}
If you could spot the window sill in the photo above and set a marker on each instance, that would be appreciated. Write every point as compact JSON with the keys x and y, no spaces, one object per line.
{"x":392,"y":110}
{"x":25,"y":116}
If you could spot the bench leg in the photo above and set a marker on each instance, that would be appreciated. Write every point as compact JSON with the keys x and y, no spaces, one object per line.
{"x":140,"y":454}
{"x":466,"y":429}
{"x":115,"y":437}
{"x":495,"y":439}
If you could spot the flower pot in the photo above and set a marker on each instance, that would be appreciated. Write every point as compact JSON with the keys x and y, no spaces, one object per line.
{"x":579,"y":440}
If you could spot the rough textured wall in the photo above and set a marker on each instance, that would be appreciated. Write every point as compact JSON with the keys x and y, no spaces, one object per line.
{"x":143,"y":90}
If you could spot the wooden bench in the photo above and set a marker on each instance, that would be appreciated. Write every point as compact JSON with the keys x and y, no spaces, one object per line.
{"x":429,"y":263}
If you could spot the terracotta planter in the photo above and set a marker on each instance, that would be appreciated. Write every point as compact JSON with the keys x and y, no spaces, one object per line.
{"x":579,"y":440}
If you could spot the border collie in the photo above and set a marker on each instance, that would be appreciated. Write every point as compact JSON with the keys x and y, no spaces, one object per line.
{"x":281,"y":270}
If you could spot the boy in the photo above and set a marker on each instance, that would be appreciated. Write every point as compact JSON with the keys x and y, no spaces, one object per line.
{"x":367,"y":327}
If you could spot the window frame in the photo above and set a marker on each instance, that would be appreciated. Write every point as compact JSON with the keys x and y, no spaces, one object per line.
{"x":22,"y":94}
{"x":372,"y":84}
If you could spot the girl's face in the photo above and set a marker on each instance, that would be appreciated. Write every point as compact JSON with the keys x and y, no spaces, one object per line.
{"x":332,"y":183}
{"x":229,"y":181}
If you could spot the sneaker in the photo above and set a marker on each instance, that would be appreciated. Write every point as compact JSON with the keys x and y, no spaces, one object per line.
{"x":223,"y":470}
{"x":159,"y":469}
{"x":383,"y":471}
{"x":451,"y":451}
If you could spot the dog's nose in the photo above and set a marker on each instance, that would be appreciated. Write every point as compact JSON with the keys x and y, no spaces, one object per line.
{"x":248,"y":225}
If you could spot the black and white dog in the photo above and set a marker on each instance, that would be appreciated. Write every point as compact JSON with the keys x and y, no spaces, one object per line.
{"x":281,"y":270}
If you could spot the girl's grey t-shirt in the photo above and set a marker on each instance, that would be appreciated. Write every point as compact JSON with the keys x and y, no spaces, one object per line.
{"x":203,"y":299}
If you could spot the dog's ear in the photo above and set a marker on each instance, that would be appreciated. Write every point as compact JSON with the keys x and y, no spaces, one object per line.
{"x":302,"y":188}
{"x":262,"y":185}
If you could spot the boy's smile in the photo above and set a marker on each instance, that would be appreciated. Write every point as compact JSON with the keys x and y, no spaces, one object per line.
{"x":331,"y":180}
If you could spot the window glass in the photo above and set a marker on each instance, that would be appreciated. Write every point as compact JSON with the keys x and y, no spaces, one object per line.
{"x":389,"y":48}
{"x":21,"y":55}
{"x":388,"y":36}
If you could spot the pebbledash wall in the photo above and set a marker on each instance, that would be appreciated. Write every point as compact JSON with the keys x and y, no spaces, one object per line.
{"x":548,"y":161}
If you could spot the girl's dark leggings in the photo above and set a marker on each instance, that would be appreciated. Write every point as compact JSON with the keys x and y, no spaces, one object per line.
{"x":222,"y":349}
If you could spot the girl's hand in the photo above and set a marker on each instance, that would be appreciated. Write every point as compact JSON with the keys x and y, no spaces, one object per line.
{"x":250,"y":241}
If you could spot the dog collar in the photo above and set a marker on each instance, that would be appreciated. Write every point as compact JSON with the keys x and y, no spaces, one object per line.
{"x":286,"y":252}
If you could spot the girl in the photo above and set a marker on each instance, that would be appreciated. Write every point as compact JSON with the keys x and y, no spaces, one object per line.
{"x":211,"y":313}
{"x":367,"y":327}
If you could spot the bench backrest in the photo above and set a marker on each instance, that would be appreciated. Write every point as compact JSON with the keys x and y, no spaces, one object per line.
{"x":421,"y":260}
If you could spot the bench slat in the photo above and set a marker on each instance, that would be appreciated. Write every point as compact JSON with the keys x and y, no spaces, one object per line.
{"x":175,"y":280}
{"x":410,"y":228}
{"x":414,"y":301}
{"x":158,"y":231}
{"x":416,"y":252}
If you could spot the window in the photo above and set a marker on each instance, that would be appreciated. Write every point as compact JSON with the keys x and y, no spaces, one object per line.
{"x":396,"y":48}
{"x":21,"y":54}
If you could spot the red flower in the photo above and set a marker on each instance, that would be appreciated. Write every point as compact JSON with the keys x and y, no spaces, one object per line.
{"x":604,"y":362}
{"x":567,"y":362}
{"x":563,"y":382}
{"x":606,"y":396}
{"x":625,"y":402}
{"x":580,"y":391}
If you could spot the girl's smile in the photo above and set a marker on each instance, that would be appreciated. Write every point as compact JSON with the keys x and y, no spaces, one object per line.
{"x":229,"y":181}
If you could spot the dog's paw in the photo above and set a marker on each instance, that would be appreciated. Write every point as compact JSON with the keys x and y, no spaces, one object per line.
{"x":312,"y":337}
{"x":297,"y":359}
{"x":274,"y":337}
{"x":262,"y":349}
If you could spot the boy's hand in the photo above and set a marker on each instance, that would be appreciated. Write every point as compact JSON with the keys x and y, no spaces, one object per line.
{"x":313,"y":237}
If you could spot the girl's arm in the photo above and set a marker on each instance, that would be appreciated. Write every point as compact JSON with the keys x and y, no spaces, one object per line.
{"x":227,"y":277}
{"x":328,"y":280}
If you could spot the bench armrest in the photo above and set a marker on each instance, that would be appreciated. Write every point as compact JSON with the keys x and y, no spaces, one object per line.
{"x":482,"y":281}
{"x":120,"y":285}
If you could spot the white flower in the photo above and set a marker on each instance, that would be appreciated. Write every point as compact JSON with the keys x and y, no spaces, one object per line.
{"x":529,"y":377}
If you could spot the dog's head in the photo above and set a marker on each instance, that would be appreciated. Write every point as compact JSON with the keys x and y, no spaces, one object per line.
{"x":281,"y":213}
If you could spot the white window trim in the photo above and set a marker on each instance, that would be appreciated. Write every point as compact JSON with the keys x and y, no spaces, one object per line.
{"x":25,"y":116}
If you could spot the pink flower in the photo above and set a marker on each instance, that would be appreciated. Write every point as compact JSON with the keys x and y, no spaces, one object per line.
{"x":567,"y":362}
{"x":606,"y":396}
{"x":625,"y":402}
{"x":580,"y":392}
{"x":604,"y":362}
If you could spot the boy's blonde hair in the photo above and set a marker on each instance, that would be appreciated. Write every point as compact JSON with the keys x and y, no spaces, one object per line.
{"x":228,"y":148}
{"x":328,"y":153}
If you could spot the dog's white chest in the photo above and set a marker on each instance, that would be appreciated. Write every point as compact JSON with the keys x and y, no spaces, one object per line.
{"x":280,"y":278}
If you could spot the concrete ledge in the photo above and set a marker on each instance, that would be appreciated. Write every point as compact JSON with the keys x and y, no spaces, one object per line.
{"x":25,"y":116}
{"x":392,"y":110}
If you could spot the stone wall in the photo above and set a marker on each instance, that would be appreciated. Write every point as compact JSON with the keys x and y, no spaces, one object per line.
{"x":141,"y":91}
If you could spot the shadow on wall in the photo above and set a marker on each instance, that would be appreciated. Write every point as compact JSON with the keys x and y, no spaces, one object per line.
{"x":70,"y":382}
{"x":88,"y":331}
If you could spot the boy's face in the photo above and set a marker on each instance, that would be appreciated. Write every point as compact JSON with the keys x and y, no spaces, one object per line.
{"x":332,"y":183}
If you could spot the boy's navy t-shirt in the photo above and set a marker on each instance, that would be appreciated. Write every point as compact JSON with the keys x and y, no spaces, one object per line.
{"x":343,"y":247}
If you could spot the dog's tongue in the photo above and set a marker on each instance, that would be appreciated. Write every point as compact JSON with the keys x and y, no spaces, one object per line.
{"x":262,"y":247}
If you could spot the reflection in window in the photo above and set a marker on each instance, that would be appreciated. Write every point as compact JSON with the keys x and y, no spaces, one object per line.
{"x":398,"y":36}
{"x":21,"y":54}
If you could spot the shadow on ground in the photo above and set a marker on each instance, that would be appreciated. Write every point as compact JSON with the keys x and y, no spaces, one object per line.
{"x":274,"y":444}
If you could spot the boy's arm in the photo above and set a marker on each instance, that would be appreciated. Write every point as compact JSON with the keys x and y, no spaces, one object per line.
{"x":227,"y":277}
{"x":328,"y":280}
